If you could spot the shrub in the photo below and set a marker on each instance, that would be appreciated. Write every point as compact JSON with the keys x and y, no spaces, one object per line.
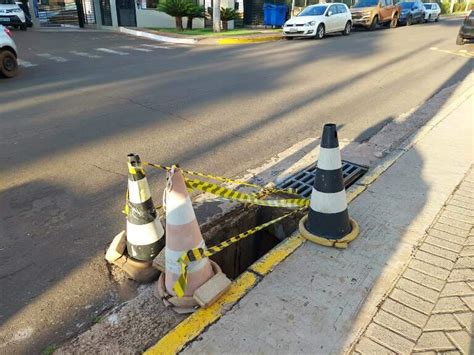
{"x":194,"y":11}
{"x":445,"y":6}
{"x":227,"y":14}
{"x":177,"y":9}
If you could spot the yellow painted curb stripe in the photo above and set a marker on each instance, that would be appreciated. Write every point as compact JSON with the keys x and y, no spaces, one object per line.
{"x":192,"y":326}
{"x":268,"y":262}
{"x":248,"y":40}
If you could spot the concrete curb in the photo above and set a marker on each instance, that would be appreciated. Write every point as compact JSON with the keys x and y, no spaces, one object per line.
{"x":185,"y":332}
{"x":155,"y":37}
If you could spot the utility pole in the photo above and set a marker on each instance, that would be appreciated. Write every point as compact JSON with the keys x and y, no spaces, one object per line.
{"x":216,"y":15}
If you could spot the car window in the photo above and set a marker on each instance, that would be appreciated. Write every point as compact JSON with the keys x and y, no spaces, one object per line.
{"x":7,"y":2}
{"x":427,"y":6}
{"x":333,"y":9}
{"x":312,"y":11}
{"x":471,"y":15}
{"x":342,"y":9}
{"x":388,"y":2}
{"x":366,"y":3}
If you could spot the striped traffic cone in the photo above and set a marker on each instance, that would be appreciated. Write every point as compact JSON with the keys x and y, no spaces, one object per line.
{"x":144,"y":230}
{"x":182,"y":234}
{"x":328,"y":221}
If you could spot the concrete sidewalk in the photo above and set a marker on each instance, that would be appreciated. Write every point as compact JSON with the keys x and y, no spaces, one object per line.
{"x":320,"y":300}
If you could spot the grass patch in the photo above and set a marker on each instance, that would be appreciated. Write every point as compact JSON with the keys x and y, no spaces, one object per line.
{"x":49,"y":350}
{"x":208,"y":32}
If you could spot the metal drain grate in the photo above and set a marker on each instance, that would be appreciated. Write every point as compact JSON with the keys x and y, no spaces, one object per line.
{"x":303,"y":180}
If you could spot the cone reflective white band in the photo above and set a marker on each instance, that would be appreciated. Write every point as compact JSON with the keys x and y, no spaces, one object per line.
{"x":144,"y":234}
{"x":138,"y":191}
{"x":179,"y":211}
{"x":328,"y":202}
{"x":172,"y":264}
{"x":329,"y":158}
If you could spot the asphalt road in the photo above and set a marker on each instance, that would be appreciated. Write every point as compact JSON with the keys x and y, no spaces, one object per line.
{"x":76,"y":110}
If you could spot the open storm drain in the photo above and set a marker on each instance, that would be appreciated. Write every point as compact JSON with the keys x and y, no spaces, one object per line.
{"x":239,"y":256}
{"x":303,"y":180}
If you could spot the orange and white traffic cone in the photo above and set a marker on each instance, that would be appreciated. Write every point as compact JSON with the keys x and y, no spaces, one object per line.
{"x":182,"y":235}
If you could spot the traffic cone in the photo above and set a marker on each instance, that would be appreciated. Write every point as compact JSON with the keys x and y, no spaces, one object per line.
{"x":328,"y":222}
{"x":205,"y":280}
{"x":144,"y":230}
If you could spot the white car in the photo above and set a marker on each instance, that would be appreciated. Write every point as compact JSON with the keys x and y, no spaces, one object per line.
{"x":317,"y":20}
{"x":8,"y":54}
{"x":12,"y":15}
{"x":432,"y":11}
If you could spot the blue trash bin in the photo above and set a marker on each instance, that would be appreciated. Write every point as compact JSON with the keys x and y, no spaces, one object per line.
{"x":274,"y":15}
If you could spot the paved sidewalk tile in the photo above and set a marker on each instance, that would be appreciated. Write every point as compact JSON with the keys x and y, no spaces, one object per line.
{"x":432,"y":303}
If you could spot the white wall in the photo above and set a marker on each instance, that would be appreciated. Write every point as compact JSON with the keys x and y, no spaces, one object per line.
{"x":156,"y":19}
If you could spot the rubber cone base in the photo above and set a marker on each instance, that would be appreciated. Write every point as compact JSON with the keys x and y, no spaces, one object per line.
{"x":340,"y":243}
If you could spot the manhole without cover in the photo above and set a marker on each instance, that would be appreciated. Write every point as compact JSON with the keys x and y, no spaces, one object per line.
{"x":303,"y":180}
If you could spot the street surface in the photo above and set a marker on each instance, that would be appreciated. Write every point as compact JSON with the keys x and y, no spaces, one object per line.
{"x":83,"y":101}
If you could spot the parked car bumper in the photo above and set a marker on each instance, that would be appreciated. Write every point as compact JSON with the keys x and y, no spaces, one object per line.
{"x":11,"y":20}
{"x":299,"y":31}
{"x":467,"y":32}
{"x":361,"y":21}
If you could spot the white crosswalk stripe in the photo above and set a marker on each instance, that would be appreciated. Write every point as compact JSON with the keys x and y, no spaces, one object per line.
{"x":85,"y":54}
{"x":111,"y":51}
{"x":155,"y":46}
{"x":52,"y":57}
{"x":136,"y":49}
{"x":26,"y":64}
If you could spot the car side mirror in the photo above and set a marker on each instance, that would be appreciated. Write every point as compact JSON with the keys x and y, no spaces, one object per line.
{"x":329,"y":13}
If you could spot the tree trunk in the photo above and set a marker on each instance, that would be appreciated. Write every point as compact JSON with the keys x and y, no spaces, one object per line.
{"x":179,"y":23}
{"x":225,"y":27}
{"x":451,"y":7}
{"x":189,"y":25}
{"x":216,"y":16}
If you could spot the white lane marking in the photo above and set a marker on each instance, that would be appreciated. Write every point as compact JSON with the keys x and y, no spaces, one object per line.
{"x":85,"y":54}
{"x":155,"y":46}
{"x":111,"y":51}
{"x":136,"y":49}
{"x":52,"y":57}
{"x":459,"y":53}
{"x":26,"y":64}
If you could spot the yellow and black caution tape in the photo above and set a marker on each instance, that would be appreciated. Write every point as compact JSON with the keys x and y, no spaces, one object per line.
{"x":199,"y":253}
{"x":245,"y":198}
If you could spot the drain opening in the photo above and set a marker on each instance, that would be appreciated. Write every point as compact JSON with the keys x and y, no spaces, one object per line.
{"x":235,"y":259}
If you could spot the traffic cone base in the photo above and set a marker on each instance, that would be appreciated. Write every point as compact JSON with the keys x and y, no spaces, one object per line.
{"x":141,"y":240}
{"x":340,"y":243}
{"x":141,"y":271}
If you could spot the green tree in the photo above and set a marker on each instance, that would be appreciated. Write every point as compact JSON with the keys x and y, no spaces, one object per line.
{"x":227,"y":14}
{"x":176,"y":8}
{"x":194,"y":11}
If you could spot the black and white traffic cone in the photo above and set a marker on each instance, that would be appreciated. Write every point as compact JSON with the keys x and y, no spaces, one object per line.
{"x":328,"y":222}
{"x":144,"y":230}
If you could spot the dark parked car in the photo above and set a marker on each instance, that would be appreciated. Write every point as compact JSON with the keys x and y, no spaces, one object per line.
{"x":412,"y":12}
{"x":467,"y":29}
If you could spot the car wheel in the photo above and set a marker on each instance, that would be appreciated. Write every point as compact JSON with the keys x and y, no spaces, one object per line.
{"x":429,"y":18}
{"x":288,"y":38}
{"x":459,"y":40}
{"x":375,"y":22}
{"x":436,"y":19}
{"x":394,"y":21}
{"x":320,"y":32}
{"x":8,"y":64}
{"x":23,"y":27}
{"x":347,"y":29}
{"x":409,"y":21}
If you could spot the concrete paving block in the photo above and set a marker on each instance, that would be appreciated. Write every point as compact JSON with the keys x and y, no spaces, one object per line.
{"x":461,"y":275}
{"x":469,"y":241}
{"x":463,"y":341}
{"x":465,"y":263}
{"x":462,"y":197}
{"x":367,"y":346}
{"x":462,"y":204}
{"x":457,"y":289}
{"x":424,"y":279}
{"x":429,"y":269}
{"x":442,"y":322}
{"x":397,"y":325}
{"x":460,"y":210}
{"x":443,"y":253}
{"x":468,"y":251}
{"x":441,"y":243}
{"x":210,"y":291}
{"x":450,"y":229}
{"x":401,"y":311}
{"x":466,"y":320}
{"x":449,"y":305}
{"x":389,"y":339}
{"x":434,"y":260}
{"x":437,"y":341}
{"x":116,"y":248}
{"x":457,"y":216}
{"x":411,"y":301}
{"x":418,"y":290}
{"x":469,"y":300}
{"x":443,"y":234}
{"x":455,"y":223}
